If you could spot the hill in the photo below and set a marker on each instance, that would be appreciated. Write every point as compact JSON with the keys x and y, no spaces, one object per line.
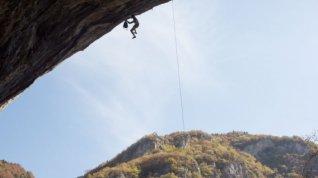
{"x":11,"y":170}
{"x":197,"y":154}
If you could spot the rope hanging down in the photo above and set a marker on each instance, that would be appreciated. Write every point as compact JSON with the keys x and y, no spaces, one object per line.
{"x":178,"y":64}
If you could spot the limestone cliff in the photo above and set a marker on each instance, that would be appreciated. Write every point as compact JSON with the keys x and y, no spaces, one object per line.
{"x":36,"y":35}
{"x":200,"y":155}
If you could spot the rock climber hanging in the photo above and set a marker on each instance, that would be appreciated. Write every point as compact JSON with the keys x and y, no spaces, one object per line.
{"x":136,"y":25}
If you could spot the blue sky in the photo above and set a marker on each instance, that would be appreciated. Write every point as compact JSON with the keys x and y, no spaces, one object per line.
{"x":245,"y":65}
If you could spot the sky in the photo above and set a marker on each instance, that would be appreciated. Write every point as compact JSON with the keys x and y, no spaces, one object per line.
{"x":245,"y":65}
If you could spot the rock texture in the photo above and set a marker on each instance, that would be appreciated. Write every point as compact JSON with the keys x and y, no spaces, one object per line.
{"x":200,"y":155}
{"x":281,"y":153}
{"x":150,"y":143}
{"x":36,"y":35}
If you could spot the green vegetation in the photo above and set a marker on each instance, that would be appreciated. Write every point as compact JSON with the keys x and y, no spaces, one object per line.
{"x":197,"y":154}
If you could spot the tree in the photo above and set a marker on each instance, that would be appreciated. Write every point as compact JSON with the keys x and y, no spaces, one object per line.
{"x":308,"y":169}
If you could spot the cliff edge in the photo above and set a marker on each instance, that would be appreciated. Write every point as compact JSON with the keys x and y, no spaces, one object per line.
{"x":36,"y":35}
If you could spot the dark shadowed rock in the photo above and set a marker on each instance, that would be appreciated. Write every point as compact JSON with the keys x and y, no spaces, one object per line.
{"x":36,"y":35}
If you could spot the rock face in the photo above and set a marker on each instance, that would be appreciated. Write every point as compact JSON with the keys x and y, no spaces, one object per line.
{"x":200,"y":155}
{"x":150,"y":143}
{"x":10,"y":170}
{"x":36,"y":35}
{"x":281,"y":153}
{"x":235,"y":170}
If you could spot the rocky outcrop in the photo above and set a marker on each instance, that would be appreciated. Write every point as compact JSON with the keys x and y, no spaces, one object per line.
{"x":235,"y":170}
{"x":143,"y":146}
{"x":36,"y":35}
{"x":281,"y":153}
{"x":288,"y":146}
{"x":11,"y":170}
{"x":152,"y":142}
{"x":201,"y":155}
{"x":185,"y":154}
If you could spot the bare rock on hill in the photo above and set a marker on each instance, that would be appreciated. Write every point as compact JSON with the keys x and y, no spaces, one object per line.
{"x":200,"y":155}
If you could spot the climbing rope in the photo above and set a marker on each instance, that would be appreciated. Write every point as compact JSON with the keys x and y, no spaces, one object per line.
{"x":178,"y":64}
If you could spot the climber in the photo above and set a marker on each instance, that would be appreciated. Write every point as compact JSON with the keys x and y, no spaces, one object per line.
{"x":136,"y":25}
